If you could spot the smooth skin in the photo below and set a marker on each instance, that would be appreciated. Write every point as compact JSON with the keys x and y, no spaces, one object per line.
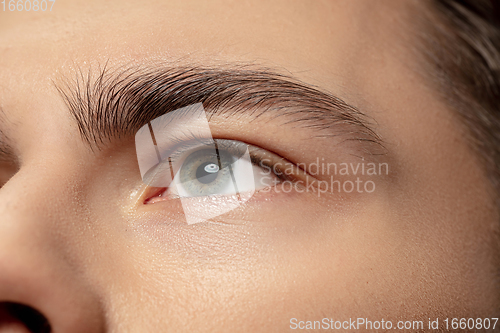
{"x":78,"y":243}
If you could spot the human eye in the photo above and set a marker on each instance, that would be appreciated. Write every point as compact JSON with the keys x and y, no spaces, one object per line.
{"x":210,"y":177}
{"x":220,"y":168}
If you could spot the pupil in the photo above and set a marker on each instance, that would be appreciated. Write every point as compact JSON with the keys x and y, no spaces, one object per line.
{"x":207,"y":172}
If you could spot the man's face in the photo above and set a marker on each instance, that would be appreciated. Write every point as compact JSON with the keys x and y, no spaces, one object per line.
{"x":88,"y":244}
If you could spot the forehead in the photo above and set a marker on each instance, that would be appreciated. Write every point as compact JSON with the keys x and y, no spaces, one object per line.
{"x":339,"y":46}
{"x":330,"y":44}
{"x":297,"y":35}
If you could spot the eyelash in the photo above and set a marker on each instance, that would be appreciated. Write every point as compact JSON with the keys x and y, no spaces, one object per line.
{"x":190,"y":142}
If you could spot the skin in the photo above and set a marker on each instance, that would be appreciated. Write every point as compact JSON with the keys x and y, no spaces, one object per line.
{"x":78,"y":243}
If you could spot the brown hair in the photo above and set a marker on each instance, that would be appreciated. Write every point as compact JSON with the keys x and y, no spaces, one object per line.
{"x":462,"y":47}
{"x":463,"y":50}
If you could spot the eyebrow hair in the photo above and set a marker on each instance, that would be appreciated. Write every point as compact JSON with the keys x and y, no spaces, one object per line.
{"x":6,"y":151}
{"x":116,"y":103}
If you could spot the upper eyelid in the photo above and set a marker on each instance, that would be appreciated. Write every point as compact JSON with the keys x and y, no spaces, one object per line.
{"x":176,"y":151}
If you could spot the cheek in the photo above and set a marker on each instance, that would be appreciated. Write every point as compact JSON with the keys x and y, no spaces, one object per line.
{"x":265,"y":261}
{"x":283,"y":255}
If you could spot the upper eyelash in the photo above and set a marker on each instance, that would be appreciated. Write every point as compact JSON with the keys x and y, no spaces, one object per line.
{"x":189,"y":141}
{"x":180,"y":149}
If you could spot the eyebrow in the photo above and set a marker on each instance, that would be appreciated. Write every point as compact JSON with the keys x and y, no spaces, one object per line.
{"x":115,"y":104}
{"x":6,"y":151}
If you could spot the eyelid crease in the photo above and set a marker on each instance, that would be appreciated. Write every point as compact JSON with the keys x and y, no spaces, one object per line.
{"x":296,"y":173}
